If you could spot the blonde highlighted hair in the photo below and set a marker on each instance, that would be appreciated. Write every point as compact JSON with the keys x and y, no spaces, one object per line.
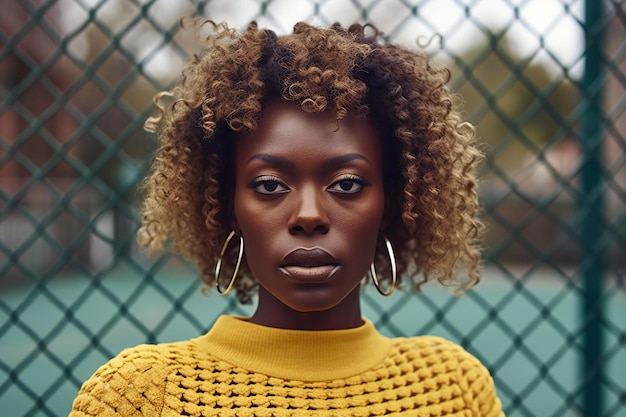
{"x":430,"y":153}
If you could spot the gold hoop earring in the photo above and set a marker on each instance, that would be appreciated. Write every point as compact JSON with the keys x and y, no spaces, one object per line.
{"x":218,"y":267}
{"x":392,"y":258}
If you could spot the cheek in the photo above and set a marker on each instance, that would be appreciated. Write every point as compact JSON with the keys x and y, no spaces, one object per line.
{"x":251,"y":217}
{"x":362,"y":223}
{"x":258,"y":225}
{"x":372,"y":211}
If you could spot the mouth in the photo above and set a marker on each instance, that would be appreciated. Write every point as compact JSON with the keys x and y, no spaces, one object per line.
{"x":309,"y":265}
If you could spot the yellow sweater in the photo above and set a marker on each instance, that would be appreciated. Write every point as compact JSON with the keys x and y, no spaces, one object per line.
{"x":243,"y":369}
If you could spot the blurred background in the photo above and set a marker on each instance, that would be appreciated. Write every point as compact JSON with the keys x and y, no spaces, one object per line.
{"x":544,"y":81}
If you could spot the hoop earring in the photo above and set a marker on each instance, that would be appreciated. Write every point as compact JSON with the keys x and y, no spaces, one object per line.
{"x":392,"y":258}
{"x":218,"y":267}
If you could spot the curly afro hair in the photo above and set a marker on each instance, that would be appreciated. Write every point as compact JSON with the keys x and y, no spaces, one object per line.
{"x":430,"y":154}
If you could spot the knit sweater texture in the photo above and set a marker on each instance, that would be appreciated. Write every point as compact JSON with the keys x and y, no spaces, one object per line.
{"x":244,"y":369}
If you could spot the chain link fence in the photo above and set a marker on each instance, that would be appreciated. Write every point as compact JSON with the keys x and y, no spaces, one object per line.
{"x":544,"y":81}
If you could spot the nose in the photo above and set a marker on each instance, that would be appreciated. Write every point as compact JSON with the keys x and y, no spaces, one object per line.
{"x":309,"y":215}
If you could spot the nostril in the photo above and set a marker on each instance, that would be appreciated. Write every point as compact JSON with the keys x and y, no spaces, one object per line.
{"x":308,"y":229}
{"x":321,"y":228}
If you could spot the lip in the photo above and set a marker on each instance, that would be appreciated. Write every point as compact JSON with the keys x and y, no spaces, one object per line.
{"x":312,"y":265}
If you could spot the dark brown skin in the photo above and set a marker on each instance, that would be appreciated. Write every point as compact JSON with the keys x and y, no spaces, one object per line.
{"x":309,"y":202}
{"x":430,"y":152}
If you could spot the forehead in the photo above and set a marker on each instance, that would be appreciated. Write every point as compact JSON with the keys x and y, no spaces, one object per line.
{"x":286,"y":129}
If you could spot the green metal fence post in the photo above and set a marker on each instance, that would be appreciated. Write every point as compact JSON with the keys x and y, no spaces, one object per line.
{"x":592,"y":206}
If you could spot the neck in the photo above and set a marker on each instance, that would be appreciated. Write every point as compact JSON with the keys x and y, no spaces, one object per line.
{"x":271,"y":312}
{"x":302,"y":355}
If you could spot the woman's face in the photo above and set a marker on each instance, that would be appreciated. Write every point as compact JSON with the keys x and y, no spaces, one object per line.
{"x":309,"y":202}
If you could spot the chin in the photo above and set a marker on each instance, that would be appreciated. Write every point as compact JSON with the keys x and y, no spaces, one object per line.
{"x":315,"y":301}
{"x":310,"y":306}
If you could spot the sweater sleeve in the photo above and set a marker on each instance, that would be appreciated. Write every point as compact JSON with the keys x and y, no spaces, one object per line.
{"x":479,"y":389}
{"x":131,"y":384}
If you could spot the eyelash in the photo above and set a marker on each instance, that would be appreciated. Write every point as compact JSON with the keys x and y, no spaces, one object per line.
{"x":361,"y":182}
{"x":269,"y":179}
{"x":265,"y":180}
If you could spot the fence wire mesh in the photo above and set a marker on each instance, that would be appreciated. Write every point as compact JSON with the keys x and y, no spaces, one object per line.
{"x":544,"y":81}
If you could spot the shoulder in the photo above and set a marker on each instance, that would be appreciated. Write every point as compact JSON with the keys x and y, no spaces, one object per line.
{"x":434,"y":350}
{"x":439,"y":352}
{"x":432,"y":356}
{"x":133,"y":382}
{"x":437,"y":359}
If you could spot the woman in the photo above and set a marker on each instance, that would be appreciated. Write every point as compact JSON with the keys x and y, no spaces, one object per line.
{"x":291,"y":166}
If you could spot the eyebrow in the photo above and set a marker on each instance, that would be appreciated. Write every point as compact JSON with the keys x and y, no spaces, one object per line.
{"x":329,"y":163}
{"x":344,"y":159}
{"x":272,"y":159}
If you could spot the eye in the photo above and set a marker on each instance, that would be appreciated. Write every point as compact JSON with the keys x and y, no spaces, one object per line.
{"x":268,"y":185}
{"x":348,"y":185}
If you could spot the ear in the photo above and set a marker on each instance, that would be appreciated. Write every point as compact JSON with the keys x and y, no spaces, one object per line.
{"x":388,"y":212}
{"x":234,"y":224}
{"x":232,"y":216}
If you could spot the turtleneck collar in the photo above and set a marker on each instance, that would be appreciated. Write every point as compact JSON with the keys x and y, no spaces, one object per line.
{"x":304,"y":355}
